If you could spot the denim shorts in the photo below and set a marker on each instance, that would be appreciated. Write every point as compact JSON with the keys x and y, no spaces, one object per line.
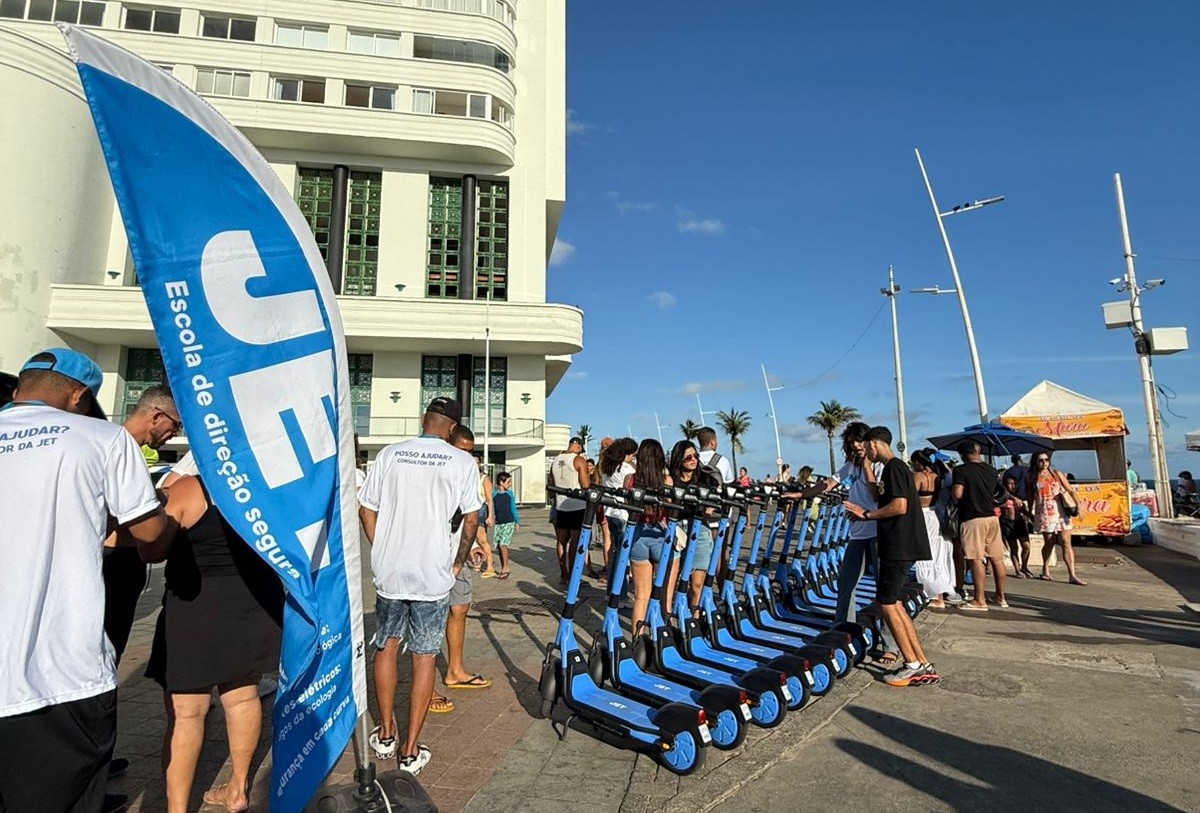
{"x":421,"y":625}
{"x":704,"y":548}
{"x":648,"y":542}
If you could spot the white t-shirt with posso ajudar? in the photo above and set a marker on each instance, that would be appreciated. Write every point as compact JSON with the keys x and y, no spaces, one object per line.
{"x":415,"y":487}
{"x":63,"y":475}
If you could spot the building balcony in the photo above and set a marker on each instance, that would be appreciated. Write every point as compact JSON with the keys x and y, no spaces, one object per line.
{"x":111,"y":314}
{"x":506,"y":433}
{"x":361,"y":131}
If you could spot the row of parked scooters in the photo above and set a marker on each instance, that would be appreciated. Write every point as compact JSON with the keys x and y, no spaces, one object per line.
{"x":762,"y":642}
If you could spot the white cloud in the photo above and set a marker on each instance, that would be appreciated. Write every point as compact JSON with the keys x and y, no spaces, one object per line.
{"x":576,"y":127}
{"x":662,"y":300}
{"x":697,"y":387}
{"x":803,"y":432}
{"x":561,"y":252}
{"x":577,"y":374}
{"x":630,"y":207}
{"x":691,"y":223}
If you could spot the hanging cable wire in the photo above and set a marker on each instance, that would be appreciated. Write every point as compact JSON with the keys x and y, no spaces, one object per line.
{"x":1168,"y":395}
{"x":849,"y":349}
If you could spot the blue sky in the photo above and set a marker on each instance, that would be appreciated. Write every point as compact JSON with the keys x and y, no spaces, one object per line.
{"x":740,"y":176}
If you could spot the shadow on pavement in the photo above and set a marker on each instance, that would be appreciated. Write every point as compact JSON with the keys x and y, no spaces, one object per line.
{"x":1157,"y":626}
{"x":1005,"y":779}
{"x":1179,"y":571}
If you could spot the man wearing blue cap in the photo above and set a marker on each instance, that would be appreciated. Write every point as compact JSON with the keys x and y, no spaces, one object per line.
{"x":64,"y":475}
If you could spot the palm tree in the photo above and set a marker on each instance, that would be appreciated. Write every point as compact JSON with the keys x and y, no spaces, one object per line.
{"x":584,"y":433}
{"x":689,"y":428}
{"x":734,"y":423}
{"x":831,"y":417}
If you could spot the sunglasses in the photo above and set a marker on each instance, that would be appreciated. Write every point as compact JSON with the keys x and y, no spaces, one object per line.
{"x":1041,"y":460}
{"x":690,"y":456}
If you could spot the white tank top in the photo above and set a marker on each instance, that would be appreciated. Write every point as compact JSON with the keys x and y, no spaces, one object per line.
{"x":565,"y":476}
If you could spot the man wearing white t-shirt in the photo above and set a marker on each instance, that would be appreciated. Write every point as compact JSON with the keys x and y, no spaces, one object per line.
{"x":707,"y":438}
{"x":408,"y":503}
{"x":64,"y":474}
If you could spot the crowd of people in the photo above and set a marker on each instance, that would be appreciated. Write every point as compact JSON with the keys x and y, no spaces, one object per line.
{"x":90,"y":519}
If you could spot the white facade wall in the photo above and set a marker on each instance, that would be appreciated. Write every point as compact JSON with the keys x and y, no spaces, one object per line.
{"x":66,"y":274}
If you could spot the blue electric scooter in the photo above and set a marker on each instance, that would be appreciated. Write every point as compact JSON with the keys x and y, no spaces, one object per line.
{"x":612,"y":658}
{"x":676,"y":734}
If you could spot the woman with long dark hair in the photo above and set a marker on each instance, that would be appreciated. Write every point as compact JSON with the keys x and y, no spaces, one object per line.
{"x":650,"y":534}
{"x":616,"y":464}
{"x":936,"y":574}
{"x":1048,"y":489}
{"x":685,"y":470}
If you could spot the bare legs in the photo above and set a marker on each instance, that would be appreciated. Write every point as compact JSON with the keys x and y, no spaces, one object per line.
{"x":695,"y":585}
{"x":998,"y":574}
{"x":418,"y":699}
{"x":456,"y":632}
{"x":1063,"y":538}
{"x":386,"y":668}
{"x":186,"y":713}
{"x":643,"y":576}
{"x":902,"y":629}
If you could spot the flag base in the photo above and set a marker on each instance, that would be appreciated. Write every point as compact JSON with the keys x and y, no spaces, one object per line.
{"x":390,"y":792}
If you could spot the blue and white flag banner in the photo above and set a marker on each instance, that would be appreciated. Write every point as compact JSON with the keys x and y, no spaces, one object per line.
{"x":253,"y":348}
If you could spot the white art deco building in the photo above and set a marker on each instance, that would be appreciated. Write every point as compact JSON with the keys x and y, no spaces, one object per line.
{"x":423,"y":139}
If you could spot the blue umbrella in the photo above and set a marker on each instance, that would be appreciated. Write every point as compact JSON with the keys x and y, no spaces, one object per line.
{"x":996,"y":439}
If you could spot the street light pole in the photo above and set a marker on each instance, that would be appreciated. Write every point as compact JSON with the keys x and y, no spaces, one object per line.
{"x":659,"y":427}
{"x":962,"y":299}
{"x":701,"y":410}
{"x":774,"y":419}
{"x":890,"y":292}
{"x":1158,"y":455}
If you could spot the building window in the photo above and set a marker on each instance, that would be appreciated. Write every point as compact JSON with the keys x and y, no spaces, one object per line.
{"x":450,"y":103}
{"x":445,"y":232}
{"x":469,"y":51}
{"x":439,"y":378}
{"x":298,"y":35}
{"x":314,"y":196}
{"x":491,"y":241}
{"x":373,"y":43}
{"x":362,"y":370}
{"x":497,"y":394}
{"x":160,"y":20}
{"x":219,"y":82}
{"x":362,"y":234}
{"x":502,"y":113}
{"x":298,"y":90}
{"x":228,"y":28}
{"x":79,"y":12}
{"x":143,"y":369}
{"x":377,"y":97}
{"x":498,"y":9}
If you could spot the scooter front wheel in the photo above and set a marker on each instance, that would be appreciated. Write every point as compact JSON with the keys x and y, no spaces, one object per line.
{"x":822,"y":680}
{"x":729,"y":730}
{"x":685,"y":756}
{"x":770,"y":710}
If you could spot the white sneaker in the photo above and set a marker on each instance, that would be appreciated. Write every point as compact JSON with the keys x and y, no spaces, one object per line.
{"x":383,"y":748}
{"x":413,"y":764}
{"x":954,"y":598}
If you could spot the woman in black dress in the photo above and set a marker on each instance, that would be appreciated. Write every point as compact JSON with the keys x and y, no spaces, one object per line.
{"x":219,"y":626}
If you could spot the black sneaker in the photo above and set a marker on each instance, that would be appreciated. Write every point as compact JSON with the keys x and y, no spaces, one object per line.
{"x":114,"y":803}
{"x":117,"y":767}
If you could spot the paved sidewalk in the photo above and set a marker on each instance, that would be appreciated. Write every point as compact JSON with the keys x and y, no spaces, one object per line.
{"x":1077,"y":698}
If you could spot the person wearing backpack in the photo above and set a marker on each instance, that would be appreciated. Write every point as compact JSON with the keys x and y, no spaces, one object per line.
{"x":707,"y":438}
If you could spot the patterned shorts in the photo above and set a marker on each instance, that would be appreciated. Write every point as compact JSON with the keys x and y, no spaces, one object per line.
{"x":421,"y":625}
{"x":502,"y":534}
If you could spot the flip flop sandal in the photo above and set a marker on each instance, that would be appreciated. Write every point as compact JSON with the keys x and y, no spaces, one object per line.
{"x":440,"y":705}
{"x":473,"y":682}
{"x":211,"y":798}
{"x":1080,"y":582}
{"x":1046,"y":578}
{"x":503,"y":574}
{"x":972,"y":608}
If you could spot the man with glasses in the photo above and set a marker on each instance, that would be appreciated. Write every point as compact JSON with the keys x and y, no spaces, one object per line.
{"x":153,"y":422}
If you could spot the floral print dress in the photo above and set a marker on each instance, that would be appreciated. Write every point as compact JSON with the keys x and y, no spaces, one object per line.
{"x":1047,"y":511}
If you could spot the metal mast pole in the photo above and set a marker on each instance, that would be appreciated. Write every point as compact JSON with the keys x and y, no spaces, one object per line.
{"x":962,"y":299}
{"x":1158,"y":456}
{"x":890,"y":292}
{"x":774,"y":419}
